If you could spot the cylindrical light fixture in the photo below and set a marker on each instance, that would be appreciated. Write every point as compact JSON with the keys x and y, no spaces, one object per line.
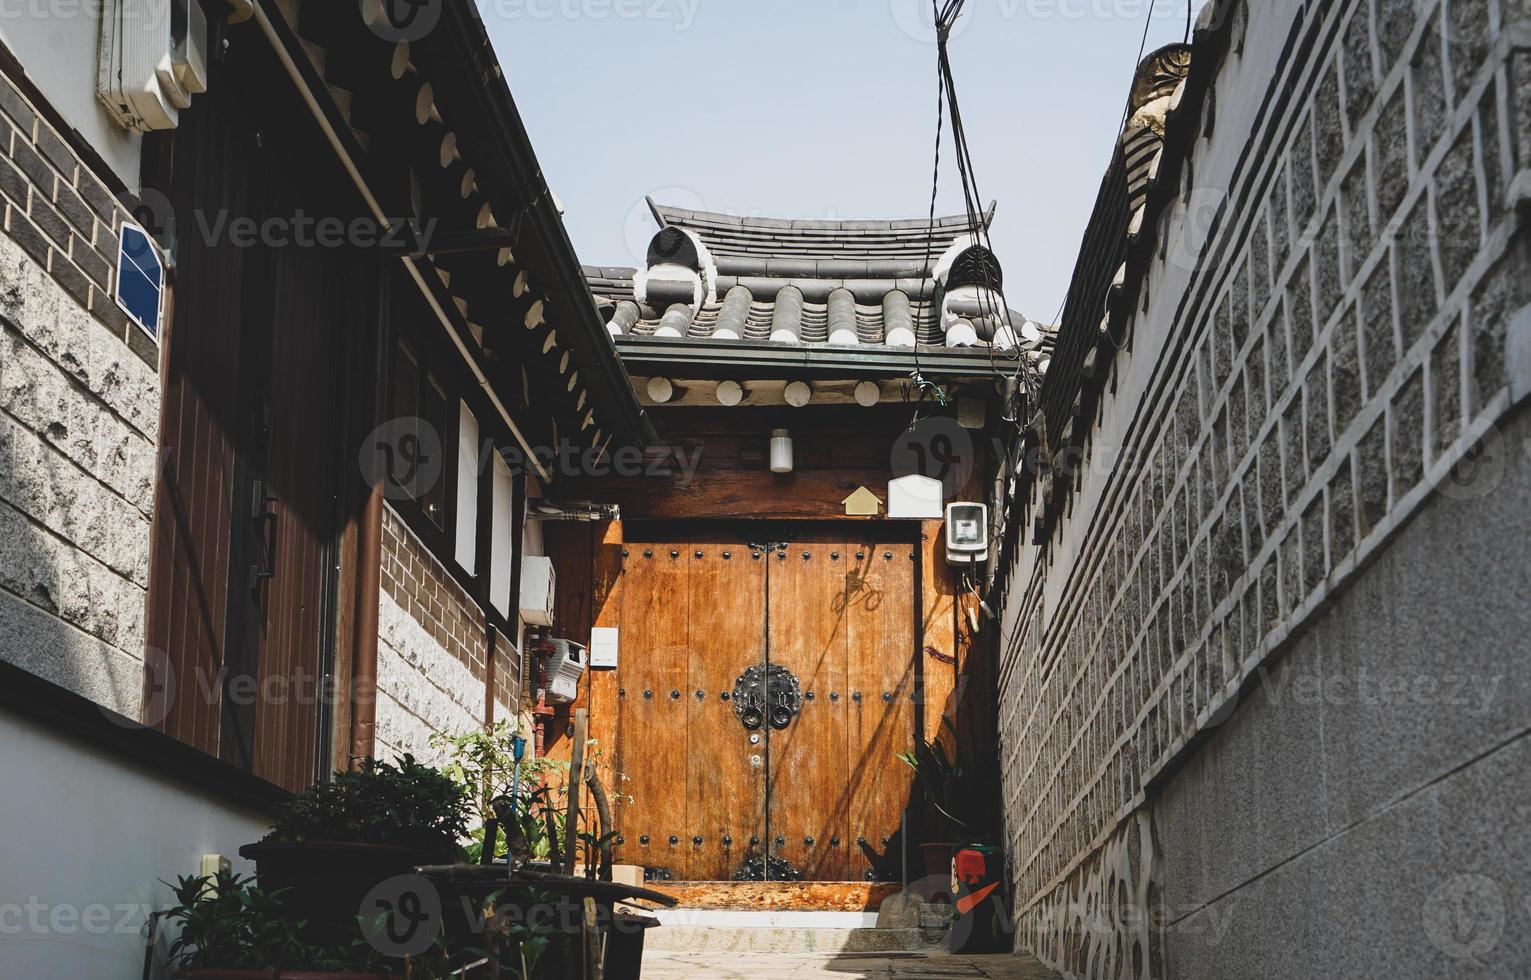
{"x":781,"y":451}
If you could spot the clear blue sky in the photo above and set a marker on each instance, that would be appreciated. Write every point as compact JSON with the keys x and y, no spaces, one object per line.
{"x":825,"y":109}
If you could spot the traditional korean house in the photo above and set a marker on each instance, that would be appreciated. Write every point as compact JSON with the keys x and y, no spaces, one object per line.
{"x":780,"y":611}
{"x":290,"y":332}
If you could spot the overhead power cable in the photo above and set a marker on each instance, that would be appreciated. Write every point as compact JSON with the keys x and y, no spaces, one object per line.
{"x":945,"y":16}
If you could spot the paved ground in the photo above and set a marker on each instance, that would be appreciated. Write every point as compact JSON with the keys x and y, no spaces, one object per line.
{"x":667,"y":965}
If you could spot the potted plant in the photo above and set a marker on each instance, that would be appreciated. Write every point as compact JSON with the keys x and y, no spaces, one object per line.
{"x":332,"y":843}
{"x":232,"y":930}
{"x":952,"y":797}
{"x":486,"y":763}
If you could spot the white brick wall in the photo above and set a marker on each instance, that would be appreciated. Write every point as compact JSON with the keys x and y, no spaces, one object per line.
{"x":421,"y":688}
{"x":79,"y":417}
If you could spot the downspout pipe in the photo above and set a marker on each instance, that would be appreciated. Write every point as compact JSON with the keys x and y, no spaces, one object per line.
{"x":279,"y":47}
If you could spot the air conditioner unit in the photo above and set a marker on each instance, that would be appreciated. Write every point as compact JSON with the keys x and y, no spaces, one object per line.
{"x":537,"y":587}
{"x":153,"y":59}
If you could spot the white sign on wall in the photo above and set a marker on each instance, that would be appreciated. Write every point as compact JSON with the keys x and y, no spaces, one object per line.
{"x":915,"y":496}
{"x":603,"y":646}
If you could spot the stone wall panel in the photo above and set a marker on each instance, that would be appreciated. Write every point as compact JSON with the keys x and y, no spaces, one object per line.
{"x":1298,"y":393}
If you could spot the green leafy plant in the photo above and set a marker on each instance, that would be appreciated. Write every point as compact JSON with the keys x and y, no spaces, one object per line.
{"x":946,"y":786}
{"x":482,"y":761}
{"x":404,"y":805}
{"x":228,"y":923}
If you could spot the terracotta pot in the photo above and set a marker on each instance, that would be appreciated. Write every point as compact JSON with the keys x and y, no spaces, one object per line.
{"x":936,"y":885}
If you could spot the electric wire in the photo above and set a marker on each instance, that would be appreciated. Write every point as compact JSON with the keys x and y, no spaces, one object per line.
{"x":996,"y":315}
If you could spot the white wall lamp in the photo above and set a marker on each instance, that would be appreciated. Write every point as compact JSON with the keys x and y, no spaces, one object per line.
{"x":781,"y":451}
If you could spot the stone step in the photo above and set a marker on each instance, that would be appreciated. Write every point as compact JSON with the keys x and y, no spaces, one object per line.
{"x":782,"y":939}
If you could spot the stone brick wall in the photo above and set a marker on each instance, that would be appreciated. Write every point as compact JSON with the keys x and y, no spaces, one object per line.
{"x":79,"y":419}
{"x":63,"y":216}
{"x":432,"y":651}
{"x":1329,"y":343}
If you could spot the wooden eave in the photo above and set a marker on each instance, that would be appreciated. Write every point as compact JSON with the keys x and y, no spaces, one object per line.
{"x":544,"y":349}
{"x":746,"y":360}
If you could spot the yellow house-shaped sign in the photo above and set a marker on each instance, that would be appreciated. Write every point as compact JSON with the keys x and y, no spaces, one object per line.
{"x":862,"y":503}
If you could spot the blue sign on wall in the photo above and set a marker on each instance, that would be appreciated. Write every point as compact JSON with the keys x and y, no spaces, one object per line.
{"x":140,"y":279}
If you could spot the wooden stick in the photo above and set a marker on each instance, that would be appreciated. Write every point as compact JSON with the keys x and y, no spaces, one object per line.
{"x":576,"y":770}
{"x":603,"y":812}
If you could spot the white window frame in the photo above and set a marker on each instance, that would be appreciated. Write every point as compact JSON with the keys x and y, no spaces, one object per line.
{"x":502,"y":536}
{"x":466,"y":548}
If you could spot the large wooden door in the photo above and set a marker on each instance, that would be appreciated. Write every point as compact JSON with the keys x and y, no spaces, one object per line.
{"x":829,"y":623}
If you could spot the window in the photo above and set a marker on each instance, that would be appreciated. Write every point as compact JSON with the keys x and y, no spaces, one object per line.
{"x":502,"y":536}
{"x":463,"y":499}
{"x":416,"y":399}
{"x":467,"y":488}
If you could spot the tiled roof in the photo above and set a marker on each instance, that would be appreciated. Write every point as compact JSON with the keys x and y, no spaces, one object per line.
{"x":723,"y":278}
{"x":791,"y":240}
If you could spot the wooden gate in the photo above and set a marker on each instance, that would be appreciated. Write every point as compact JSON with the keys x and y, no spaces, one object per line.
{"x":768,"y":678}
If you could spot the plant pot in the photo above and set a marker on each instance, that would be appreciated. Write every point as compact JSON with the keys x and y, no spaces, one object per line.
{"x":325,"y":883}
{"x":284,"y":975}
{"x":937,"y":883}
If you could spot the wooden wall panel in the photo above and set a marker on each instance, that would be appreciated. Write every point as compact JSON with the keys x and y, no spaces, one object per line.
{"x":188,"y":587}
{"x":605,"y":610}
{"x":653,"y":743}
{"x":755,"y":493}
{"x":570,"y":546}
{"x":315,"y":297}
{"x":808,"y":764}
{"x":725,"y":783}
{"x":938,"y":628}
{"x":882,"y":658}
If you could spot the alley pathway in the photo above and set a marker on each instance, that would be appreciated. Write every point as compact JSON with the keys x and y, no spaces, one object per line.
{"x":668,"y":965}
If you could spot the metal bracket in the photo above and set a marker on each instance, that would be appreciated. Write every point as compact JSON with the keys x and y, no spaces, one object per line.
{"x":761,"y":869}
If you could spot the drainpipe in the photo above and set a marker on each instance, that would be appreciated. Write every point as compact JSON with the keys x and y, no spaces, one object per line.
{"x":369,"y":555}
{"x":381,"y":217}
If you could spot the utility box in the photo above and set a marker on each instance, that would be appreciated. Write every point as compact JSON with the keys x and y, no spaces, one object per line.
{"x":603,"y":646}
{"x":566,"y":664}
{"x":538,"y":584}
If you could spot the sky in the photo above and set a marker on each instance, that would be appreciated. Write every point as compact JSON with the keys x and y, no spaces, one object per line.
{"x":826,"y":109}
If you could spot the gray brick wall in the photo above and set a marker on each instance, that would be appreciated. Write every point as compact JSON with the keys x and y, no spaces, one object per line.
{"x":1323,"y":348}
{"x":78,"y":423}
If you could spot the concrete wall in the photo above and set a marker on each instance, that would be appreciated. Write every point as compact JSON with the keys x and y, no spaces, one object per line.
{"x":79,"y":418}
{"x":1263,"y":710}
{"x":432,"y":652}
{"x":87,"y":842}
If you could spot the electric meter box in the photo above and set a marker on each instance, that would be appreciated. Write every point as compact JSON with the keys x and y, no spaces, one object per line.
{"x":967,"y":533}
